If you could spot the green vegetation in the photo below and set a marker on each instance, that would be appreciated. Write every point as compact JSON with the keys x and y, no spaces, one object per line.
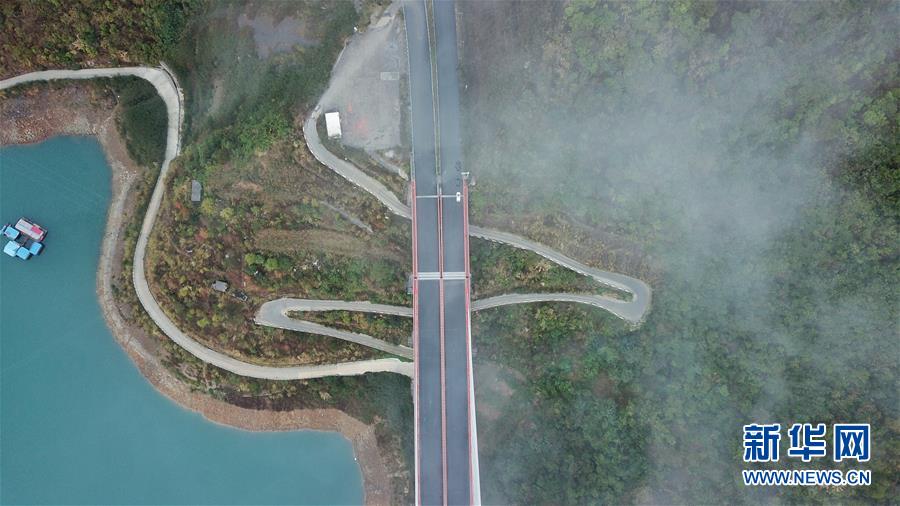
{"x":742,"y":157}
{"x":563,"y":429}
{"x":272,"y":220}
{"x":65,"y":33}
{"x":498,"y":269}
{"x":287,"y":86}
{"x":268,"y":239}
{"x":265,"y":93}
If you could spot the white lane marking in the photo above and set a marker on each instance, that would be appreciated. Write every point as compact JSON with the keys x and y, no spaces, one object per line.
{"x":453,"y":275}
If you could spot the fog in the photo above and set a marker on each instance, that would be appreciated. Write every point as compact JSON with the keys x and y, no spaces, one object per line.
{"x":711,"y":154}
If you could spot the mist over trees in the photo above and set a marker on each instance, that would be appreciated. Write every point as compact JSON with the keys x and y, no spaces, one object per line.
{"x":749,"y":151}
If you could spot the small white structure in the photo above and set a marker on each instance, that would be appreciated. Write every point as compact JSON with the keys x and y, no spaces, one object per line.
{"x":196,"y":190}
{"x":333,"y":124}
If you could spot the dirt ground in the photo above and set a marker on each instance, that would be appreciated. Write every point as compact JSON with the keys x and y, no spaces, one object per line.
{"x":80,"y":109}
{"x":366,"y":85}
{"x":276,"y":37}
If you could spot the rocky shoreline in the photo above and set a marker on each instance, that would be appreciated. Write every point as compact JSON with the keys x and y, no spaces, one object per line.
{"x":41,"y":111}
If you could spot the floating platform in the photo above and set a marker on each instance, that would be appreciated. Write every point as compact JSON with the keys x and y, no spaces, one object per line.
{"x":24,"y":238}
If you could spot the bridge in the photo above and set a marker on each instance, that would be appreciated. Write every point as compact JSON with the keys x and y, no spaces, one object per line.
{"x":446,"y":448}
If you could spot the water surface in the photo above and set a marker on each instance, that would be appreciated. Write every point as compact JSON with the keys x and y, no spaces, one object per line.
{"x":78,"y":423}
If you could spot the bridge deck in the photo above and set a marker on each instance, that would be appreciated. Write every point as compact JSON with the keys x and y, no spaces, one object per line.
{"x":446,"y":448}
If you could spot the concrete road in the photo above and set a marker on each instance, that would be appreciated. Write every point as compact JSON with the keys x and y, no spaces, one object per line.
{"x":444,"y":418}
{"x":632,"y":311}
{"x":346,"y":170}
{"x":168,"y":89}
{"x":446,"y":61}
{"x":429,"y":405}
{"x":461,"y":450}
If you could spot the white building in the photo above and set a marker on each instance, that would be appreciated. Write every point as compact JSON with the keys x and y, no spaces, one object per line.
{"x":333,"y":124}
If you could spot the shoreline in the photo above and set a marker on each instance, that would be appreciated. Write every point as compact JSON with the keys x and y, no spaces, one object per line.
{"x":42,"y":112}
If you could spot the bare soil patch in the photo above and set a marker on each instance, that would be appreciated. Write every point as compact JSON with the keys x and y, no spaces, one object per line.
{"x":287,"y":241}
{"x":276,"y":36}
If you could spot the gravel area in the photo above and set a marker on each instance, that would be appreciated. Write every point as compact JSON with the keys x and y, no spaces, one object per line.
{"x":365,"y":86}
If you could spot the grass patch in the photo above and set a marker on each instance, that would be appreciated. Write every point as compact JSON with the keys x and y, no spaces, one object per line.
{"x":143,"y":120}
{"x":391,"y":328}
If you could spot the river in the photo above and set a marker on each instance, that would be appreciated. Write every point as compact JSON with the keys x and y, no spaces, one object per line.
{"x":78,"y":422}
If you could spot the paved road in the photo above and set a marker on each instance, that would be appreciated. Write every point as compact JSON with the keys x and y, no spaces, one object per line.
{"x":278,"y":307}
{"x":275,"y":314}
{"x":462,"y":447}
{"x":168,"y":89}
{"x":428,"y":325}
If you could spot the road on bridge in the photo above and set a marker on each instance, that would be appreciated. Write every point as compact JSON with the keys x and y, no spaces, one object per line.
{"x":446,"y":448}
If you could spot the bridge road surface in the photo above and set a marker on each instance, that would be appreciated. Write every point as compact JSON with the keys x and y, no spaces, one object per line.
{"x":428,"y":405}
{"x":462,"y":449}
{"x":445,"y":430}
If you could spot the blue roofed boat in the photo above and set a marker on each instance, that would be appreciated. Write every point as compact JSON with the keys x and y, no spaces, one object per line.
{"x":11,"y":248}
{"x":10,"y":231}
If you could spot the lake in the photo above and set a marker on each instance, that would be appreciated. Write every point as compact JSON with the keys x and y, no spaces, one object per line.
{"x":78,"y":422}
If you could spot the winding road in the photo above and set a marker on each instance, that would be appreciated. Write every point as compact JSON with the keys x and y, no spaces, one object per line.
{"x":347,"y":170}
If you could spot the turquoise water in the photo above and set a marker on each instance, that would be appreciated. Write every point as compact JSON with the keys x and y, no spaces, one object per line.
{"x":78,"y":423}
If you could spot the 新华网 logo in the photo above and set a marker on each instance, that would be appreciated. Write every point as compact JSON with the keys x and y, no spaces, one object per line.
{"x":807,"y":441}
{"x":850,"y":441}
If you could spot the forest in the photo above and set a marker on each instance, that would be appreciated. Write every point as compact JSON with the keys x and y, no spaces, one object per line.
{"x":746,"y":153}
{"x":66,"y":34}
